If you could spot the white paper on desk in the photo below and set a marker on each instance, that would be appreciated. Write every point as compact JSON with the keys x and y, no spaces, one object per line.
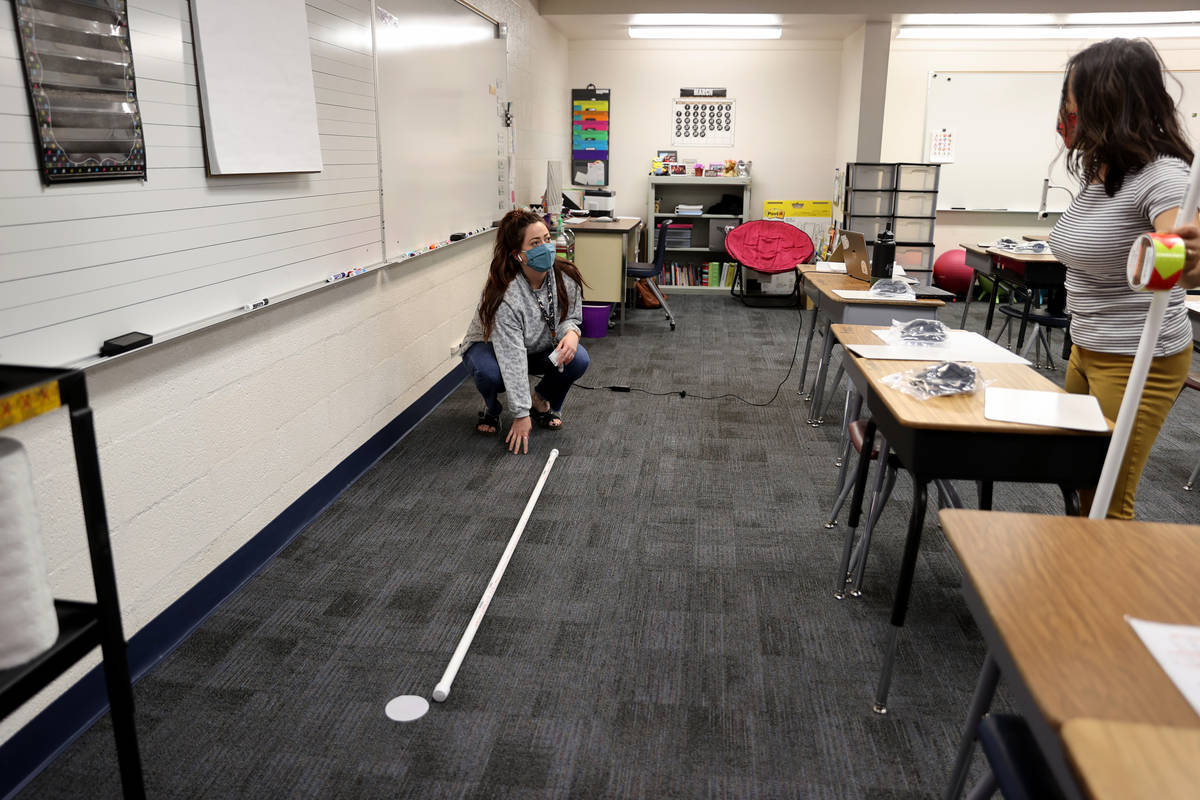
{"x":1192,"y":302}
{"x":1078,"y":412}
{"x":865,"y":294}
{"x":960,"y":346}
{"x":831,"y":266}
{"x":1176,"y":648}
{"x":946,"y":352}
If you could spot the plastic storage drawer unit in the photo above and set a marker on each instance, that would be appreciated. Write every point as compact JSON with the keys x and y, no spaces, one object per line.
{"x":915,"y":204}
{"x":872,"y":176}
{"x":914,"y":230}
{"x":859,"y":204}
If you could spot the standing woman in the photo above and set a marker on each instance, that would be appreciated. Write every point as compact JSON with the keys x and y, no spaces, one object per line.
{"x":530,"y":312}
{"x":1126,"y":144}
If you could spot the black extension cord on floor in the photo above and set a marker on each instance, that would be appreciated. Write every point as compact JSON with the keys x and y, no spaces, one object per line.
{"x":683,"y":393}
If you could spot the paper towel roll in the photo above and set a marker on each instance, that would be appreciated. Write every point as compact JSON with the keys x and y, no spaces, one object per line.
{"x":28,"y":624}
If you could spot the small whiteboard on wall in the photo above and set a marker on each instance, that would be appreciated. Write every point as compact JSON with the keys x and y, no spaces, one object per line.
{"x":256,"y":86}
{"x":1004,"y":137}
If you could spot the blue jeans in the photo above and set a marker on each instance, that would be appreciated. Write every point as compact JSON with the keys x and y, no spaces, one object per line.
{"x":480,"y":359}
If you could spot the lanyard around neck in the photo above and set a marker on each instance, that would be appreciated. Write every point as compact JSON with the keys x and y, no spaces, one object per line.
{"x":547,"y":313}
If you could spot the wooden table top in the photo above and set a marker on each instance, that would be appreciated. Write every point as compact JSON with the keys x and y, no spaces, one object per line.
{"x":1025,"y":258}
{"x":619,"y":226}
{"x":1057,"y":590}
{"x":957,"y":412}
{"x":1127,"y":760}
{"x":828,"y":282}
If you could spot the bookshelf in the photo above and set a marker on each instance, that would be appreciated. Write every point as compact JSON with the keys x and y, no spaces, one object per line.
{"x":705,"y":237}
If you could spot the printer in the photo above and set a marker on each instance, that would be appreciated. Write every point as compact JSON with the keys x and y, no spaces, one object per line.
{"x":600,"y":203}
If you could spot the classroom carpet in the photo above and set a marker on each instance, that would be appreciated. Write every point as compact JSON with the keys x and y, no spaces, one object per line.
{"x":666,"y":628}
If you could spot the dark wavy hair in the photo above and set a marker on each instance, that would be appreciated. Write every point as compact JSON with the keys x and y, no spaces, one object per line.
{"x":1125,"y":118}
{"x":510,"y":239}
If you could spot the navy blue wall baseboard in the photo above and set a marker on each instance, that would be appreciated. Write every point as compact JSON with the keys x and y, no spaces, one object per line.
{"x":37,"y":744}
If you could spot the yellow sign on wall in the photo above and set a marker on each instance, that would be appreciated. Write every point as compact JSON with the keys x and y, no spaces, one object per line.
{"x":783,"y":209}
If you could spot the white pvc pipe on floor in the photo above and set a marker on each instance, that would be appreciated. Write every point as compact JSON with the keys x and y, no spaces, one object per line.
{"x":1141,"y":366}
{"x":442,"y":690}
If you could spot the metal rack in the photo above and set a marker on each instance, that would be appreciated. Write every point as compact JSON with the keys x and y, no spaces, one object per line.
{"x":25,"y":393}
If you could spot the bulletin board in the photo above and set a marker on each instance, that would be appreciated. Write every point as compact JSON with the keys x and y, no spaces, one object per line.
{"x":590,"y":109}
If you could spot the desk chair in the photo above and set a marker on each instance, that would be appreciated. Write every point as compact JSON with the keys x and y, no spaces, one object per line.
{"x":1192,"y":382}
{"x":1042,"y":322}
{"x":771,"y":247}
{"x":653,"y":269}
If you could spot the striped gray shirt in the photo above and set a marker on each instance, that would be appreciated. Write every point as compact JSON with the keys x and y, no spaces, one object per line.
{"x":1093,"y":238}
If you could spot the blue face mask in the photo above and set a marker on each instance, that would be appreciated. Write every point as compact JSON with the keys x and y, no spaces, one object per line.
{"x":540,"y":258}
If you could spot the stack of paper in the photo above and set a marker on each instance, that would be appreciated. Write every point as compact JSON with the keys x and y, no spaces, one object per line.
{"x":685,"y":209}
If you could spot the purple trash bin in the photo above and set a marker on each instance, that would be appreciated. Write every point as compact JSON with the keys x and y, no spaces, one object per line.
{"x":595,"y":320}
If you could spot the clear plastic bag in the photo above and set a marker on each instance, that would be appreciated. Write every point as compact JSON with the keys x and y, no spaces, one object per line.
{"x":892,"y":289}
{"x":919,"y":332}
{"x":940,"y":380}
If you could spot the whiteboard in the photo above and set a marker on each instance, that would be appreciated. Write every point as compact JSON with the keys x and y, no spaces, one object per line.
{"x":256,"y":86}
{"x":443,"y":145}
{"x":1003,"y":130}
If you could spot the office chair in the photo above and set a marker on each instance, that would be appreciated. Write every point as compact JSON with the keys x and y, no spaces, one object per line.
{"x":652,"y":270}
{"x":769,"y":246}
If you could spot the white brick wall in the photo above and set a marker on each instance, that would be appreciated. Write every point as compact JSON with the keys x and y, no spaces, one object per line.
{"x":206,"y":439}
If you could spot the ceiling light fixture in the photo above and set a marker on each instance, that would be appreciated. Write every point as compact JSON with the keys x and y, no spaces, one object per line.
{"x":960,"y":32}
{"x":704,"y":32}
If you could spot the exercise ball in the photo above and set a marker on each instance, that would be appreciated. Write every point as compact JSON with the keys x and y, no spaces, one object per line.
{"x":950,"y":272}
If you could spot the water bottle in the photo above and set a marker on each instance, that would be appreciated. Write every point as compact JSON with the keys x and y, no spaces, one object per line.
{"x":883,"y":255}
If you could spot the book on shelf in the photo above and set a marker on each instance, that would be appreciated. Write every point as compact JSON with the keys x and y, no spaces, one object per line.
{"x":712,"y":274}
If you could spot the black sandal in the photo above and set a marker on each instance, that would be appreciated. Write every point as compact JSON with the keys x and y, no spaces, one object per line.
{"x":488,"y":419}
{"x":544,"y":418}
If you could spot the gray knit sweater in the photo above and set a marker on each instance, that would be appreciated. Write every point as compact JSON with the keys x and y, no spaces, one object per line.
{"x":520,"y":329}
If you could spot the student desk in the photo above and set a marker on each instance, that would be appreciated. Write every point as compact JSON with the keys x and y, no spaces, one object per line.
{"x":1030,"y":270}
{"x":1119,"y":760}
{"x":822,"y":287}
{"x":602,"y":249}
{"x":1193,"y":307}
{"x":949,"y":438}
{"x":1050,"y":595}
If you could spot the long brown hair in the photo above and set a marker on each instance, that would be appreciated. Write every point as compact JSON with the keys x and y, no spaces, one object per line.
{"x":1125,"y":117}
{"x":510,"y":239}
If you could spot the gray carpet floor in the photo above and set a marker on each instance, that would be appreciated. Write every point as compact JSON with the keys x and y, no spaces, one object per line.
{"x":665,"y":629}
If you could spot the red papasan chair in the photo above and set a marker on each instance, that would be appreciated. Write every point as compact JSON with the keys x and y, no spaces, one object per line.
{"x":770,"y":247}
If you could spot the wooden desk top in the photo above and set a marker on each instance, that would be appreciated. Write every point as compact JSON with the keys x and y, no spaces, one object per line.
{"x":973,"y":248}
{"x":1025,"y":258}
{"x":828,"y":282}
{"x":619,"y":226}
{"x":957,"y":412}
{"x":1126,"y":760}
{"x":1057,"y":590}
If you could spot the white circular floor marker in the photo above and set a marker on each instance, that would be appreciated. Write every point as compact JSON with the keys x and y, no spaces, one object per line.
{"x":406,"y":708}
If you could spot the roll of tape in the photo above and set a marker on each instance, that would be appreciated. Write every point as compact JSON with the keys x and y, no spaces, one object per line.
{"x":1156,"y":262}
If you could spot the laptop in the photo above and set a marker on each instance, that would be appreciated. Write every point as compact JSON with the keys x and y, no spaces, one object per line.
{"x":852,"y":250}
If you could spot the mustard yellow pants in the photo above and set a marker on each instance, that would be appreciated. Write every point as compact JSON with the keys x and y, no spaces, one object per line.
{"x":1104,"y":375}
